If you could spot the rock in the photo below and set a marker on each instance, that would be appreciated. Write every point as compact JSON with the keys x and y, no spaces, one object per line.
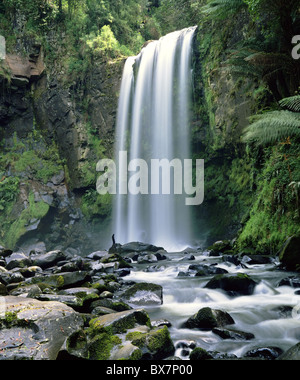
{"x":232,"y":334}
{"x":143,"y":294}
{"x":15,"y":278}
{"x":101,"y":310}
{"x":49,"y":259}
{"x":122,"y":272}
{"x":3,"y":290}
{"x":138,"y":247}
{"x":155,"y":268}
{"x":114,"y":305}
{"x":35,"y":330}
{"x":81,"y":292}
{"x":232,"y":259}
{"x":72,"y":301}
{"x":24,"y":68}
{"x":289,"y":256}
{"x":30,"y":271}
{"x":155,"y":345}
{"x":19,"y":82}
{"x":62,"y":280}
{"x":257,"y":259}
{"x":161,"y":322}
{"x":234,"y":284}
{"x":58,"y":178}
{"x":292,"y":354}
{"x":97,"y":255}
{"x":206,"y":270}
{"x":126,"y":351}
{"x":5,"y":252}
{"x":199,"y":353}
{"x":29,"y":291}
{"x":207,"y":319}
{"x":292,"y":281}
{"x":219,"y":247}
{"x":147,"y":257}
{"x":266,"y":353}
{"x":108,"y":337}
{"x":121,"y":322}
{"x":106,"y":294}
{"x":17,"y":260}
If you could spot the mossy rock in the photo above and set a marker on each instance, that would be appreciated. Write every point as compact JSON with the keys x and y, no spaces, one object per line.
{"x":156,"y":345}
{"x":120,"y":322}
{"x":220,"y":247}
{"x":207,"y":319}
{"x":199,"y":353}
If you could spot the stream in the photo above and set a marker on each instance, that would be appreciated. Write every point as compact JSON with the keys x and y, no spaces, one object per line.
{"x":271,"y":313}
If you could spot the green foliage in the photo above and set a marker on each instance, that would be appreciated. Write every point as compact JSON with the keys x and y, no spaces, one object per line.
{"x":9,"y":190}
{"x":272,"y":127}
{"x":275,"y":214}
{"x":26,"y":159}
{"x":95,"y":205}
{"x":222,"y":9}
{"x":40,"y":14}
{"x":35,"y":210}
{"x":173,"y":15}
{"x":292,"y":103}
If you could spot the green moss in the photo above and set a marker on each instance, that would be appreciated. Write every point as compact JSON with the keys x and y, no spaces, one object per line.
{"x":11,"y":317}
{"x":101,"y":346}
{"x":35,"y":210}
{"x":158,"y":342}
{"x":275,"y":213}
{"x":134,"y":335}
{"x":95,"y":205}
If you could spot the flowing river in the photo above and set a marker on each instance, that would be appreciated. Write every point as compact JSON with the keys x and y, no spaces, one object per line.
{"x":270,"y":313}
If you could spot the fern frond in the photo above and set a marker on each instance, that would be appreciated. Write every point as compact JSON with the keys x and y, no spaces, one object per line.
{"x":271,"y":61}
{"x":292,"y":103}
{"x":272,"y":127}
{"x":222,"y":8}
{"x":237,"y":63}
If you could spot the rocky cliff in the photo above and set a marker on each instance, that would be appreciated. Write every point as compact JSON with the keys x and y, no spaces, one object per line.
{"x":53,"y":133}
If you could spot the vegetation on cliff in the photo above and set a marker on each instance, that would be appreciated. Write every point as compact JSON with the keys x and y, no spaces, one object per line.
{"x":246,"y":106}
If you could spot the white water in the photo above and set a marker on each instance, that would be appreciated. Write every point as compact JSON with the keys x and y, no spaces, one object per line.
{"x":258,"y":314}
{"x":153,"y":123}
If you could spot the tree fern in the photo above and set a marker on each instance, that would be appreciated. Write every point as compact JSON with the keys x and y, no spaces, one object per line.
{"x":238,"y":63}
{"x":292,"y":103}
{"x":222,"y":8}
{"x":272,"y":127}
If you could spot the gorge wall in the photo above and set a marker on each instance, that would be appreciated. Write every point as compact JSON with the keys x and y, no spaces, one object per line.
{"x":58,"y":104}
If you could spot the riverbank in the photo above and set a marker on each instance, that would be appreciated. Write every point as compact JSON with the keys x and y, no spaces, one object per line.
{"x":145,"y":303}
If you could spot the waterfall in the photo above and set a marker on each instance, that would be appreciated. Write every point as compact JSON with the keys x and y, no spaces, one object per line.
{"x":153,"y":122}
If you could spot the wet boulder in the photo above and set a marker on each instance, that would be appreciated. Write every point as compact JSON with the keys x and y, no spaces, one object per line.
{"x":264,"y":353}
{"x":48,"y":259}
{"x":292,"y":354}
{"x":232,"y":334}
{"x":35,"y":330}
{"x":237,"y":284}
{"x":138,"y":247}
{"x":143,"y":294}
{"x":207,"y":319}
{"x":17,"y":260}
{"x":290,"y":253}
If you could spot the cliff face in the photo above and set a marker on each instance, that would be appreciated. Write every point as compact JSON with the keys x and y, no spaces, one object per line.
{"x":53,"y":134}
{"x":58,"y":104}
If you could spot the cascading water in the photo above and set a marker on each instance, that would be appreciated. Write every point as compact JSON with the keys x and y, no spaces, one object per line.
{"x":153,"y":123}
